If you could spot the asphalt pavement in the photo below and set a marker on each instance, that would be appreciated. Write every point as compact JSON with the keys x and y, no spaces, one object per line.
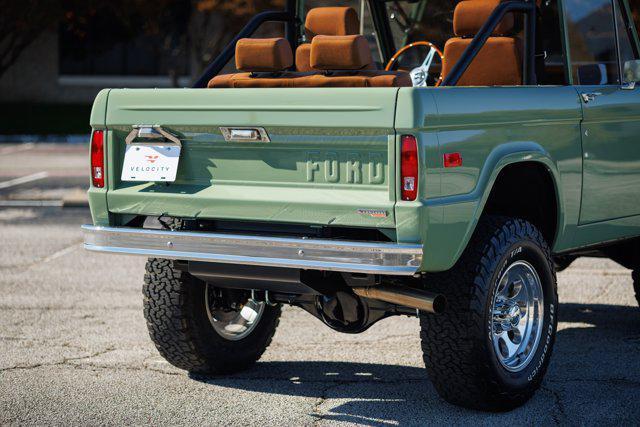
{"x":74,"y":348}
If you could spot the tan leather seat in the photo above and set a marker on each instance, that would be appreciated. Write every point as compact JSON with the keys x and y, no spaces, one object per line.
{"x":499,"y":62}
{"x":326,"y":21}
{"x":262,"y":62}
{"x":342,"y":61}
{"x":345,"y":61}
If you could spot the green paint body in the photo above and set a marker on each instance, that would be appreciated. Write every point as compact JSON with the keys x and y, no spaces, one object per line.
{"x":334,"y":151}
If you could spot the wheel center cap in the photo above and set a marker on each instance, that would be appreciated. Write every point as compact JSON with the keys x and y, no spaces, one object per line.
{"x":514,"y":315}
{"x":509,"y":316}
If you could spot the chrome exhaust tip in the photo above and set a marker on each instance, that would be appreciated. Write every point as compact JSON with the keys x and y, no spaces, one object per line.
{"x":426,"y":301}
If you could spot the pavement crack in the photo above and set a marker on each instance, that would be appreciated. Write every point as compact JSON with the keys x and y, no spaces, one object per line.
{"x":64,"y":361}
{"x":559,"y":417}
{"x":317,"y":406}
{"x":93,"y":367}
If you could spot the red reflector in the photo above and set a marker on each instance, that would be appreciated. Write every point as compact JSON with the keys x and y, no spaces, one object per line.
{"x":409,"y":167}
{"x":452,"y":160}
{"x":97,"y":158}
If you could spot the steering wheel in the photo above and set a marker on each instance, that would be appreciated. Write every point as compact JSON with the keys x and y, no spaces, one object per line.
{"x":420,"y":74}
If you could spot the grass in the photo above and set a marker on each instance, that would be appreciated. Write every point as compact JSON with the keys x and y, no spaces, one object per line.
{"x":44,"y":119}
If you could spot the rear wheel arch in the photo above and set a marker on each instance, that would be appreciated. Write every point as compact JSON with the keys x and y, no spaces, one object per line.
{"x":526,"y":190}
{"x":507,"y":167}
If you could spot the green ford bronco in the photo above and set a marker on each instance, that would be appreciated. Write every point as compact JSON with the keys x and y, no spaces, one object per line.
{"x":439,"y":159}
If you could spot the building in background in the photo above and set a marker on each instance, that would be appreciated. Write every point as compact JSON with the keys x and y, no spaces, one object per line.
{"x":55,"y":56}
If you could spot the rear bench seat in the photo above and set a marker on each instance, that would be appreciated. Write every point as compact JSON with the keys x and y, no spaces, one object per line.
{"x":342,"y":61}
{"x":325,"y":21}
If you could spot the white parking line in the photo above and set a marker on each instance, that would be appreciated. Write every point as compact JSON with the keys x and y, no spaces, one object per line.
{"x":62,"y":252}
{"x":31,"y":203}
{"x":17,"y":148}
{"x":23,"y":180}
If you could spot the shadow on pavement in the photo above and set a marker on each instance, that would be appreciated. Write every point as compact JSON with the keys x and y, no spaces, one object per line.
{"x":599,"y":349}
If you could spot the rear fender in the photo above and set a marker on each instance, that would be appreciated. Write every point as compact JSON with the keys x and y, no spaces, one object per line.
{"x":453,"y":219}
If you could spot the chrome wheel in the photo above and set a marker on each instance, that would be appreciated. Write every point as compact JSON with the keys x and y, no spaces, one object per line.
{"x":517,"y":316}
{"x":233,"y":322}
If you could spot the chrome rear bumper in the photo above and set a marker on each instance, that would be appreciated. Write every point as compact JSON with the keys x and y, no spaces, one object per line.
{"x":308,"y":254}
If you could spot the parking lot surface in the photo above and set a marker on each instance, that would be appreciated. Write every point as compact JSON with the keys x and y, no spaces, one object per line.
{"x":75,"y":350}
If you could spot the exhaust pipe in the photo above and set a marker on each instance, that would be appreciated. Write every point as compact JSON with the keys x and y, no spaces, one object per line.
{"x":414,"y":298}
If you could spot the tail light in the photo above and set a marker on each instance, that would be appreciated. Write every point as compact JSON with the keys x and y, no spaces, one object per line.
{"x":409,"y":167}
{"x":97,"y":158}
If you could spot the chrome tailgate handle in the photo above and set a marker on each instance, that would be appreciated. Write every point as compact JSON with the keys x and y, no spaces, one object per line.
{"x":245,"y":134}
{"x":151,"y":134}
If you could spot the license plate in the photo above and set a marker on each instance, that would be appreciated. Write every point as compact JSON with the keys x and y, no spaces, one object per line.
{"x":151,"y":163}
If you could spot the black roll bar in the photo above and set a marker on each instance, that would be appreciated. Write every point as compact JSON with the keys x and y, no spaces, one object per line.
{"x":529,"y":9}
{"x":227,"y":53}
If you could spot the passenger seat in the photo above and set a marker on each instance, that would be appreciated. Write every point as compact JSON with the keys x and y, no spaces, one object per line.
{"x":499,"y":62}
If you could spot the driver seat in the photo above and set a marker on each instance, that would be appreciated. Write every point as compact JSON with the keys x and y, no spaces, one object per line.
{"x":499,"y":62}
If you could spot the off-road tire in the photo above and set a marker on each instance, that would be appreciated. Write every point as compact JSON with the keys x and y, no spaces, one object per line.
{"x":174,"y":307}
{"x":457,"y":346}
{"x":636,"y":283}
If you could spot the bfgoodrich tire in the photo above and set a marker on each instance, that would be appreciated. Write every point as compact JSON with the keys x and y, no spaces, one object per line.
{"x":178,"y":314}
{"x":487,"y":351}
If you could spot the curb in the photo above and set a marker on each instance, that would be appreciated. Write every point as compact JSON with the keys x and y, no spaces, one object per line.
{"x":75,"y":203}
{"x":71,"y":203}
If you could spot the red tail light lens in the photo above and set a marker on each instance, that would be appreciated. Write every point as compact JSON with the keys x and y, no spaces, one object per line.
{"x":409,"y":167}
{"x":97,"y":158}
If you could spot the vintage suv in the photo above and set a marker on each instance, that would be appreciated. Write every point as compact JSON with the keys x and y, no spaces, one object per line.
{"x":501,"y":141}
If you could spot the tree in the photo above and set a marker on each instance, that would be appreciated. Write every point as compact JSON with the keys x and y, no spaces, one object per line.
{"x":21,"y":22}
{"x":202,"y":27}
{"x":214,"y":23}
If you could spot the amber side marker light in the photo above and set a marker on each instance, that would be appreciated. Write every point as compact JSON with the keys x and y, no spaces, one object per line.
{"x":97,"y":158}
{"x":409,"y":167}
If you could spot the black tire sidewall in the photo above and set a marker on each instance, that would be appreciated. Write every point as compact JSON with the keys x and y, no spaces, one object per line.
{"x":530,"y":252}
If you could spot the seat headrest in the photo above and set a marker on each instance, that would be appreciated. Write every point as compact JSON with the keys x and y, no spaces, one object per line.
{"x":332,"y":21}
{"x":340,"y":53}
{"x":470,"y":15}
{"x":263,"y":55}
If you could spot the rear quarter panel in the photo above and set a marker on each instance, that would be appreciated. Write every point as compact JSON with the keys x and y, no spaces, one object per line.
{"x":491,"y":128}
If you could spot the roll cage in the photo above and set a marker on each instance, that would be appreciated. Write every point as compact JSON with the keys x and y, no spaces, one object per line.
{"x":293,"y":19}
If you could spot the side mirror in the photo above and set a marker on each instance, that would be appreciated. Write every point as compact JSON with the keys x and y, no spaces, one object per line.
{"x":631,"y":72}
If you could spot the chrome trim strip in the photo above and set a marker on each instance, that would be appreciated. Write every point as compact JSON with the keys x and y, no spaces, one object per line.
{"x":308,"y":254}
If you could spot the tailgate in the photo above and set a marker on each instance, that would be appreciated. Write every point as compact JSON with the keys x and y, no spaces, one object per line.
{"x":329,"y":160}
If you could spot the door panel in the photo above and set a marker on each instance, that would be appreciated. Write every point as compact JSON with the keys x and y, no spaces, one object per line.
{"x":611,"y":154}
{"x":597,"y":40}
